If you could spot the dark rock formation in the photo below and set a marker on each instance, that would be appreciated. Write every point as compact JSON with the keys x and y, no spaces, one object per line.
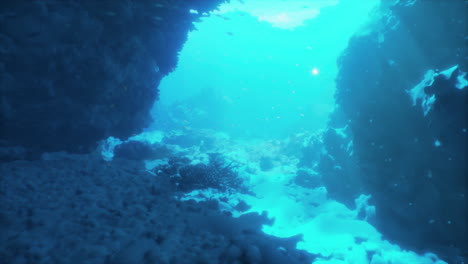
{"x":137,"y":150}
{"x":307,"y":179}
{"x":217,"y":174}
{"x":412,"y":158}
{"x":75,"y":72}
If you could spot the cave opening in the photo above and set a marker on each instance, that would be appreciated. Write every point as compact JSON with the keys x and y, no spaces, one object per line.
{"x":252,"y":131}
{"x":260,"y":70}
{"x":255,"y":85}
{"x":255,"y":82}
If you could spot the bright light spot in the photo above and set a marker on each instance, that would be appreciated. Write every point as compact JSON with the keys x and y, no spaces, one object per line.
{"x":279,"y":13}
{"x":315,"y":71}
{"x":437,"y":143}
{"x":276,"y":19}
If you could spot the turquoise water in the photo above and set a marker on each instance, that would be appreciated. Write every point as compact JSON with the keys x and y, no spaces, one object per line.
{"x":262,"y":75}
{"x":266,"y":69}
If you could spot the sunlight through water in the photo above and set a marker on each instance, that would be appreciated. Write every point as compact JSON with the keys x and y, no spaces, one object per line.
{"x":259,"y":57}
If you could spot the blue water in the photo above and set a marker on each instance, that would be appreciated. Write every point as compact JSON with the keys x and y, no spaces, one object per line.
{"x":260,"y":78}
{"x":263,"y":78}
{"x":258,"y":132}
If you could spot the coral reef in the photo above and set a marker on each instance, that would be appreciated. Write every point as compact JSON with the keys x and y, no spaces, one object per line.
{"x":217,"y":174}
{"x":80,"y":209}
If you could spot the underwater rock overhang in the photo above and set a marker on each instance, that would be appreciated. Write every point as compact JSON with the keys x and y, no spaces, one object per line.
{"x":76,"y":72}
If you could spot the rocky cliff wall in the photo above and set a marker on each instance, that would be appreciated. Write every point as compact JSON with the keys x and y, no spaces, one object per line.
{"x":74,"y":72}
{"x":400,"y":130}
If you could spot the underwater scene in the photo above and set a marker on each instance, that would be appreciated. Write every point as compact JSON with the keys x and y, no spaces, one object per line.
{"x":233,"y":132}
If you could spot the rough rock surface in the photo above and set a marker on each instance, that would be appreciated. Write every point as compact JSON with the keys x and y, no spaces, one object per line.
{"x":414,"y":165}
{"x":79,"y":209}
{"x":78,"y":71}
